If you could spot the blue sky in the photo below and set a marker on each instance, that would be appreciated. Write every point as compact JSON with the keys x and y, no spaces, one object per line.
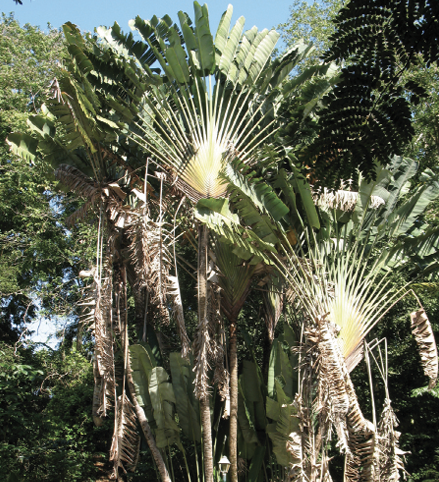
{"x":88,"y":14}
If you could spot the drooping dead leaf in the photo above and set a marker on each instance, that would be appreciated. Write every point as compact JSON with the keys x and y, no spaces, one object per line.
{"x":126,"y":439}
{"x":423,"y":333}
{"x":391,"y":461}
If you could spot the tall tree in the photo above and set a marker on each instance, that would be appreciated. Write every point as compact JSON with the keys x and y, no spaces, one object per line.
{"x":368,"y":116}
{"x":311,"y":22}
{"x":213,"y":101}
{"x":34,"y":247}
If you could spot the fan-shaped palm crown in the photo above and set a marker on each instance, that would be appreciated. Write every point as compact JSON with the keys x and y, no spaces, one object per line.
{"x":214,"y":99}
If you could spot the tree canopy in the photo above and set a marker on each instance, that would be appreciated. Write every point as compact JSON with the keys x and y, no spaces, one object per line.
{"x":228,"y":306}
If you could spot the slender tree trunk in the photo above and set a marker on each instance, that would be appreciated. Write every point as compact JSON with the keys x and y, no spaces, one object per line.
{"x":233,"y":435}
{"x":79,"y":336}
{"x":203,"y":246}
{"x":139,"y":300}
{"x":268,"y":343}
{"x":207,"y":438}
{"x":147,"y":431}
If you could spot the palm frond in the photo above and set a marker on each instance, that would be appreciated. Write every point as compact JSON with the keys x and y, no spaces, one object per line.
{"x":125,"y":446}
{"x":215,"y":100}
{"x":423,"y":333}
{"x":391,"y":456}
{"x":174,"y":293}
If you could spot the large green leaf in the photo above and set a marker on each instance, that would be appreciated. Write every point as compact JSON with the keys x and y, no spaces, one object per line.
{"x":142,"y":364}
{"x":280,"y":370}
{"x":251,"y":387}
{"x":245,"y":421}
{"x":23,"y":145}
{"x":302,"y":187}
{"x":163,"y":401}
{"x":280,"y":432}
{"x":216,"y":214}
{"x":255,"y":469}
{"x":187,"y":404}
{"x":403,"y":169}
{"x":258,"y":191}
{"x":228,"y":44}
{"x":206,"y":51}
{"x":406,"y":215}
{"x":222,"y":33}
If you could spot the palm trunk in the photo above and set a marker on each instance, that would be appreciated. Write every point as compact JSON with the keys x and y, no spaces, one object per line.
{"x":147,"y":431}
{"x":207,"y":438}
{"x":203,"y":246}
{"x":233,"y":434}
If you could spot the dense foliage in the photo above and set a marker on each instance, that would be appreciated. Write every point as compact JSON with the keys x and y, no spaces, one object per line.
{"x":36,"y":251}
{"x":368,"y":116}
{"x":200,"y":226}
{"x":47,"y":428}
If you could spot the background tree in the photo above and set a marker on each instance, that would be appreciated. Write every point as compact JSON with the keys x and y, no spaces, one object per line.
{"x":47,"y":426}
{"x":35,"y":250}
{"x":368,"y":115}
{"x":311,"y":22}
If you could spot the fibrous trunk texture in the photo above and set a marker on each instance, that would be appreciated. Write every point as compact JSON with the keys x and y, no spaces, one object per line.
{"x":233,"y":435}
{"x":203,"y":240}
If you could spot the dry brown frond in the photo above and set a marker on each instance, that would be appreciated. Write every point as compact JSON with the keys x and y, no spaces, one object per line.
{"x":110,"y":194}
{"x":78,"y":182}
{"x":332,"y":403}
{"x":423,"y":333}
{"x":126,"y":439}
{"x":242,"y":466}
{"x":344,"y":200}
{"x":79,"y":214}
{"x":151,"y":257}
{"x":174,"y":293}
{"x":391,"y":456}
{"x":298,"y":442}
{"x":150,"y":253}
{"x":202,"y":349}
{"x":336,"y":404}
{"x":103,"y":339}
{"x":273,"y":303}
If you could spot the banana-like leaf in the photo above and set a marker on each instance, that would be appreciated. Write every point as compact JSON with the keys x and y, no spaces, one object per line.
{"x":367,"y":190}
{"x":23,"y":145}
{"x":163,"y":400}
{"x":284,"y":432}
{"x":301,"y":186}
{"x":187,"y":405}
{"x":403,"y":219}
{"x":280,"y":370}
{"x":245,"y":420}
{"x":262,"y":195}
{"x":403,"y":169}
{"x":216,"y":214}
{"x":142,"y":364}
{"x":423,"y":333}
{"x":251,"y":388}
{"x":227,"y":43}
{"x":294,"y":188}
{"x":255,"y":469}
